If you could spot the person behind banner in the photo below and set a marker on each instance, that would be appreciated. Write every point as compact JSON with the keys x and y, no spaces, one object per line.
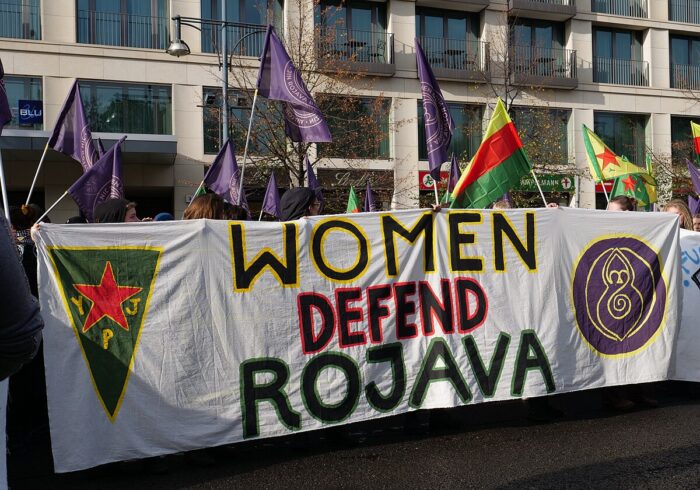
{"x":696,"y":222}
{"x":679,"y":207}
{"x":206,"y":206}
{"x":622,"y":203}
{"x":298,"y":203}
{"x":234,"y":212}
{"x":116,"y":210}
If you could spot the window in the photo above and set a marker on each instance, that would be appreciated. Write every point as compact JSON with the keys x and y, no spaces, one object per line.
{"x":537,"y":33}
{"x":267,"y":130}
{"x":467,"y":134}
{"x":246,"y":40}
{"x":630,"y":8}
{"x":544,"y":133}
{"x":685,"y":62}
{"x":20,"y":19}
{"x":623,"y":133}
{"x":687,"y":11}
{"x":449,"y":38}
{"x":133,"y":23}
{"x":21,"y":88}
{"x":114,"y":107}
{"x":618,"y":57}
{"x":359,"y":126}
{"x":682,"y":145}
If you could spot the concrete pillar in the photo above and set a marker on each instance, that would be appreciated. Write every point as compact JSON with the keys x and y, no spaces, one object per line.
{"x":187,"y":8}
{"x":586,"y":184}
{"x":656,"y":51}
{"x":582,"y":42}
{"x":405,"y":155}
{"x":402,"y":23}
{"x":658,"y":9}
{"x":58,"y":21}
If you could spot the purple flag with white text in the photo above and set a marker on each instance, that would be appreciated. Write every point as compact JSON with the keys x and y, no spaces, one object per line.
{"x":5,"y":112}
{"x":370,"y":200}
{"x":100,"y":182}
{"x":278,"y":79}
{"x":271,"y":201}
{"x":313,"y":181}
{"x":223,"y":177}
{"x":71,"y":135}
{"x":438,"y":122}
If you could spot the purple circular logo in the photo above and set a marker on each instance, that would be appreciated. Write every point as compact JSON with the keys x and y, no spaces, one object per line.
{"x":619,"y":295}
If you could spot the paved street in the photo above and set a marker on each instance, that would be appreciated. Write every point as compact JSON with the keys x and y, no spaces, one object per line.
{"x":485,"y":446}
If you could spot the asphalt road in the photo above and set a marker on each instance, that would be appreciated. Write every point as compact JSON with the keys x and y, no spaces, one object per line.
{"x":485,"y":446}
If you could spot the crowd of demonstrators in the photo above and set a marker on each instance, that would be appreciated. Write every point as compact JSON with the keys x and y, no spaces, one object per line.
{"x":677,"y":206}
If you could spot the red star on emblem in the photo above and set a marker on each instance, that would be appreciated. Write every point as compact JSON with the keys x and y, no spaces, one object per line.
{"x":630,"y":183}
{"x":107,"y":298}
{"x":608,"y":158}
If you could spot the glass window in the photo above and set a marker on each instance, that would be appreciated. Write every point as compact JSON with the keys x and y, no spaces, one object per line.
{"x":359,"y":126}
{"x":544,"y":133}
{"x":449,"y":38}
{"x":617,"y":44}
{"x":539,"y":33}
{"x":246,"y":40}
{"x":133,"y":23}
{"x":21,"y":88}
{"x":623,"y":133}
{"x":267,"y":130}
{"x":467,"y":135}
{"x":20,"y":19}
{"x":114,"y":107}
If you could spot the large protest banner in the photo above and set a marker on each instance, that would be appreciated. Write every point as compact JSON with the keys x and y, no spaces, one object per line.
{"x":166,"y":337}
{"x":686,"y":365}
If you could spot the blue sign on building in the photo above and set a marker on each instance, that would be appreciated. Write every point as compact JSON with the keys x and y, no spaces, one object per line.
{"x":31,"y":112}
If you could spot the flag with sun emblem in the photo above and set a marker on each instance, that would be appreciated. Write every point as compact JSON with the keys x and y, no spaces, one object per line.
{"x":106,"y":293}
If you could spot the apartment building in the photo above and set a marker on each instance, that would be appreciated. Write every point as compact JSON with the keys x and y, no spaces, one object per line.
{"x":627,"y":68}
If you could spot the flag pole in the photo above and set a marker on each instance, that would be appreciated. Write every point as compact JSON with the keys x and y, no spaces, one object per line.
{"x":52,"y":206}
{"x":5,"y":204}
{"x":538,"y":186}
{"x":602,"y":184}
{"x":201,"y":184}
{"x":245,"y":151}
{"x":36,"y":175}
{"x":437,"y":198}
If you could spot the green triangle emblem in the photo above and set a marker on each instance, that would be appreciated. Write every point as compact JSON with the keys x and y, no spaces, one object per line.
{"x":106,"y":292}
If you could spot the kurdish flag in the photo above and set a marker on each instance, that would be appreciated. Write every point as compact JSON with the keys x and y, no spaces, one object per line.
{"x":696,"y":141}
{"x":603,"y":163}
{"x":354,"y":205}
{"x":641,"y":186}
{"x":496,"y":168}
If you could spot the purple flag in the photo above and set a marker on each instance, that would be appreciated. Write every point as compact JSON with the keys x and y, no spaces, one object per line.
{"x":223,"y":176}
{"x":694,"y":205}
{"x":438,"y":122}
{"x":5,"y":112}
{"x":100,"y":148}
{"x":71,"y":135}
{"x":278,"y":79}
{"x":455,"y":174}
{"x":313,"y":181}
{"x":694,"y":175}
{"x":271,"y":201}
{"x":370,"y":201}
{"x":100,"y":182}
{"x":506,"y":198}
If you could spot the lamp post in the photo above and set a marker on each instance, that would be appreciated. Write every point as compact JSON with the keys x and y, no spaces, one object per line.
{"x":178,"y":48}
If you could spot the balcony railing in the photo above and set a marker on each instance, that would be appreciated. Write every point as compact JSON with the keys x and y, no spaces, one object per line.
{"x":122,"y":29}
{"x":567,"y":3}
{"x":628,"y":8}
{"x":20,"y":21}
{"x":456,"y":54}
{"x":242,"y":39}
{"x":351,"y":45}
{"x":687,"y":11}
{"x":544,"y":62}
{"x":685,"y":77}
{"x":622,"y":72}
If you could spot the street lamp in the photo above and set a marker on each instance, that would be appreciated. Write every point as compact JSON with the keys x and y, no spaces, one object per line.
{"x":178,"y":48}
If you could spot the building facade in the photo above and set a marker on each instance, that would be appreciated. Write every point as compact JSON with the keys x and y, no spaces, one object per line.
{"x":629,"y":69}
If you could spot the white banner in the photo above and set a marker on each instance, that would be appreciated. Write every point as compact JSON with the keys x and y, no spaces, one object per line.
{"x":172,"y":336}
{"x":686,"y":364}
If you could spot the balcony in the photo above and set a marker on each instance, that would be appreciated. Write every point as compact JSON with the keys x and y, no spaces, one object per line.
{"x":242,"y":39}
{"x":366,"y":52}
{"x":627,"y":8}
{"x":558,"y":10}
{"x":686,"y":11}
{"x":457,"y":59}
{"x":123,"y":29}
{"x":621,"y":72}
{"x":544,"y":67}
{"x":21,"y":21}
{"x":686,"y":77}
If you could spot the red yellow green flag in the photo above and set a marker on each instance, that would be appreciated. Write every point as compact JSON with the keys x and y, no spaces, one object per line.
{"x":640,"y":186}
{"x":354,"y":205}
{"x":603,"y":163}
{"x":696,"y":141}
{"x":497,"y":166}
